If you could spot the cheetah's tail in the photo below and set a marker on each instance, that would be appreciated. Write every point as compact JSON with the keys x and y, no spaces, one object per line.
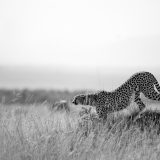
{"x":157,"y":85}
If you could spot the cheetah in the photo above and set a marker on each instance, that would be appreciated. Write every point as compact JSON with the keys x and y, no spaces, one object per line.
{"x":118,"y":99}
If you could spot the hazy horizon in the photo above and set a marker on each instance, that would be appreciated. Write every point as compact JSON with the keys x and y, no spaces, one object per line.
{"x":67,"y":79}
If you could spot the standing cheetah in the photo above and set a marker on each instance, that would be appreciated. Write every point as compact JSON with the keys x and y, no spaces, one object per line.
{"x":120,"y":98}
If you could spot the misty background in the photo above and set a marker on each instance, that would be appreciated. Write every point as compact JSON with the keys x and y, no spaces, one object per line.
{"x":87,"y":44}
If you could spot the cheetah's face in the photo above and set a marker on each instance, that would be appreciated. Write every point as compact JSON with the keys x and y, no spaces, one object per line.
{"x":80,"y":99}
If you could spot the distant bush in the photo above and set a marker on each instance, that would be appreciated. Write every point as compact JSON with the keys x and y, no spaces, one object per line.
{"x":61,"y":105}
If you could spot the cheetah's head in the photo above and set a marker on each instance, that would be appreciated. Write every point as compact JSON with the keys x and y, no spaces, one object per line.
{"x":88,"y":99}
{"x":79,"y":99}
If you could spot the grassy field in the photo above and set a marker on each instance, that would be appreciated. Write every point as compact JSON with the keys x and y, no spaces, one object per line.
{"x":34,"y":132}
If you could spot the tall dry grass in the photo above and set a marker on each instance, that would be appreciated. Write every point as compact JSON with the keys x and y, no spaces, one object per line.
{"x":35,"y":133}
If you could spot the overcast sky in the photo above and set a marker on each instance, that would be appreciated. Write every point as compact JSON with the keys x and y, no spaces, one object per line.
{"x":80,"y":33}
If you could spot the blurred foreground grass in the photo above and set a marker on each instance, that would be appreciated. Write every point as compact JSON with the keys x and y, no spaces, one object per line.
{"x":33,"y":132}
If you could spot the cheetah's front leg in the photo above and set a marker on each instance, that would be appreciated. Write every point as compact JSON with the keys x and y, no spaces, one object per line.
{"x":139,"y":101}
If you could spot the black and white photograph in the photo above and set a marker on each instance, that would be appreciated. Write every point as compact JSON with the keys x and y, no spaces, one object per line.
{"x":79,"y":80}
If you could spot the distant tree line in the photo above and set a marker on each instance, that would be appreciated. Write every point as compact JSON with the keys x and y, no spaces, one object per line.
{"x":27,"y":96}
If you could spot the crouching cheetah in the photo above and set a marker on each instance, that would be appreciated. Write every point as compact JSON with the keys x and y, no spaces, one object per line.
{"x":120,"y":98}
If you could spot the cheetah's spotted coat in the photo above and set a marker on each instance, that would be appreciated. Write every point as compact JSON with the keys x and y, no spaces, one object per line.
{"x":106,"y":102}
